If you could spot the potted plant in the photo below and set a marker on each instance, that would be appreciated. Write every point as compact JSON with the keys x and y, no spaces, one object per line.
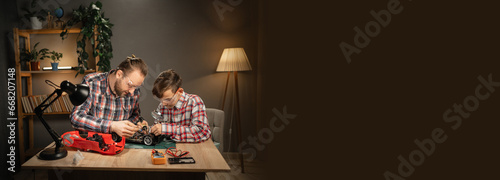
{"x":35,"y":16}
{"x":32,"y":56}
{"x":55,"y":56}
{"x":93,"y":24}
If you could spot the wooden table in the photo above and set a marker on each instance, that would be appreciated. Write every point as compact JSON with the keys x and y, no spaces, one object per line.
{"x":133,"y":164}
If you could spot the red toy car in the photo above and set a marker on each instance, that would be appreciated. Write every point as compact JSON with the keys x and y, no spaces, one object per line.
{"x":108,"y":144}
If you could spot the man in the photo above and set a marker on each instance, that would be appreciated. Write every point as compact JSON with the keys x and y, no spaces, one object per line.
{"x":113,"y":102}
{"x":184,"y":115}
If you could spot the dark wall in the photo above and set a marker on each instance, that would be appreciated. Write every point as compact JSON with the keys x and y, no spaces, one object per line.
{"x":188,"y":36}
{"x":410,"y":81}
{"x":8,"y":20}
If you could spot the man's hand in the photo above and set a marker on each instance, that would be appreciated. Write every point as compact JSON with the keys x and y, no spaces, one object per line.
{"x":142,"y":124}
{"x":123,"y":128}
{"x":156,"y":129}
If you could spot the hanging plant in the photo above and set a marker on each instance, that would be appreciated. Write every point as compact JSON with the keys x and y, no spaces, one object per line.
{"x":93,"y":22}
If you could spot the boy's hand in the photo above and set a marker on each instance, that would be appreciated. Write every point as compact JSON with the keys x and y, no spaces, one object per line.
{"x":156,"y":129}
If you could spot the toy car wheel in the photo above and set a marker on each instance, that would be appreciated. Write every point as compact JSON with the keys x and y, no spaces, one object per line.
{"x":83,"y":134}
{"x":148,"y":140}
{"x":116,"y":138}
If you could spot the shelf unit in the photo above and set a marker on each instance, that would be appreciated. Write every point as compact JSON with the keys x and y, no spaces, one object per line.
{"x":20,"y":74}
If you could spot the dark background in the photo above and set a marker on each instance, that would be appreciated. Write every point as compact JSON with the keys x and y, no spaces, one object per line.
{"x":7,"y":21}
{"x":354,"y":120}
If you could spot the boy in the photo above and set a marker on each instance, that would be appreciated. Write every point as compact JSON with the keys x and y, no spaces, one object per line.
{"x":184,"y":115}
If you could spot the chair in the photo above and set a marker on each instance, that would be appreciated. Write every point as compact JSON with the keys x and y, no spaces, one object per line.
{"x":216,"y":123}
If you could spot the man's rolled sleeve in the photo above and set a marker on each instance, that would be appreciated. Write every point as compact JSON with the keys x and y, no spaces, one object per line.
{"x":80,"y":119}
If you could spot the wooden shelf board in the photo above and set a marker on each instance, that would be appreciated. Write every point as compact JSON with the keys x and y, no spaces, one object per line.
{"x":23,"y":74}
{"x":46,"y":31}
{"x":53,"y":72}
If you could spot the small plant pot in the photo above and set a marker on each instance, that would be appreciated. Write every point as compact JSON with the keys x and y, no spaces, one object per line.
{"x":35,"y":66}
{"x":35,"y":23}
{"x":54,"y":66}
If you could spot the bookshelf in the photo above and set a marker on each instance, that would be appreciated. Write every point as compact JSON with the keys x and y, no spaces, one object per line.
{"x":60,"y":106}
{"x":24,"y":77}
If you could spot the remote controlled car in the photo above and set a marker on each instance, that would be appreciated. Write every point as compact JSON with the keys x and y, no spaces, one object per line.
{"x":108,"y":144}
{"x":144,"y":136}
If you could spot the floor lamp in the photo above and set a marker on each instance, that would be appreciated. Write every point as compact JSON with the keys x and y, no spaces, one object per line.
{"x":234,"y":60}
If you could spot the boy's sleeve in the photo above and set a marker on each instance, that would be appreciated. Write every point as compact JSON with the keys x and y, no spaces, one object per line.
{"x":198,"y":130}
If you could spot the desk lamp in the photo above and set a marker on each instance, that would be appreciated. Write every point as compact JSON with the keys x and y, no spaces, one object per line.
{"x":77,"y":95}
{"x":234,"y":60}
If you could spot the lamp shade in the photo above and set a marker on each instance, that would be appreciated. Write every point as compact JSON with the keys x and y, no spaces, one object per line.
{"x":77,"y":93}
{"x":233,"y":59}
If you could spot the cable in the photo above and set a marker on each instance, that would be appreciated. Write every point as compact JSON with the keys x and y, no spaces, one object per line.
{"x":176,"y":152}
{"x":50,"y":83}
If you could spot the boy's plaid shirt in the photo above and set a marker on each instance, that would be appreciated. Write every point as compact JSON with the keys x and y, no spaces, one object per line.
{"x":102,"y":106}
{"x":187,"y":120}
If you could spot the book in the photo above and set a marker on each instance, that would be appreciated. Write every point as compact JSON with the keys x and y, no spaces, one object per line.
{"x":62,"y":104}
{"x":25,"y":104}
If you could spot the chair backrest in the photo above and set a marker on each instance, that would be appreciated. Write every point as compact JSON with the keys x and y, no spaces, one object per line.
{"x":216,"y":123}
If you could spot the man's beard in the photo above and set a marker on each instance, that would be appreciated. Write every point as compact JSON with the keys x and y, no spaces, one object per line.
{"x":119,"y":91}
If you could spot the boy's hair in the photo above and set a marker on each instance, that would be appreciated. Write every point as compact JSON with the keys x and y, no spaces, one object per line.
{"x":166,"y":80}
{"x":133,"y":63}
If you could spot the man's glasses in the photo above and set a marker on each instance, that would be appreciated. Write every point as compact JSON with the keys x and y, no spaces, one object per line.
{"x":131,"y":85}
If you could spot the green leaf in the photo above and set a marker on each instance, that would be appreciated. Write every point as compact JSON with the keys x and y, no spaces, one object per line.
{"x":89,"y":34}
{"x":85,"y":55}
{"x":79,"y":44}
{"x":64,"y":34}
{"x":91,"y":16}
{"x":34,"y":47}
{"x":98,"y":4}
{"x":33,"y":4}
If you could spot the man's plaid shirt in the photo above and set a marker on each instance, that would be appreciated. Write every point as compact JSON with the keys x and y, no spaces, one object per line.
{"x":103,"y":106}
{"x":187,"y":120}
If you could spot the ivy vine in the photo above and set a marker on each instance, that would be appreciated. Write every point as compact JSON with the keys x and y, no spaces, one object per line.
{"x":93,"y":22}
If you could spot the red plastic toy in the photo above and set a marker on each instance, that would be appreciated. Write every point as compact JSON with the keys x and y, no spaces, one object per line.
{"x":108,"y":144}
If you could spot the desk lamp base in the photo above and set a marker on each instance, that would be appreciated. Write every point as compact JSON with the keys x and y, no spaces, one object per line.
{"x":53,"y":153}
